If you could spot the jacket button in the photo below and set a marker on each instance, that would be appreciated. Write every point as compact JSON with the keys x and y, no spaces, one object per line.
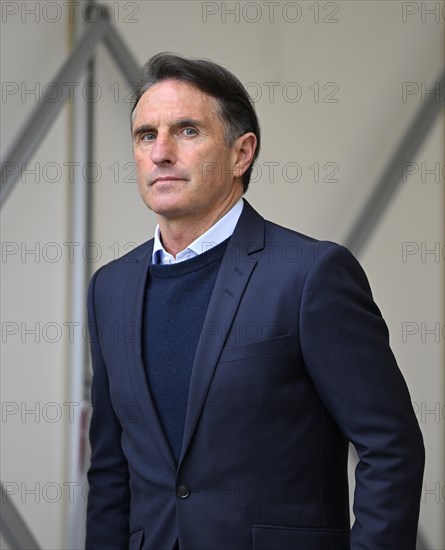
{"x":182,"y":491}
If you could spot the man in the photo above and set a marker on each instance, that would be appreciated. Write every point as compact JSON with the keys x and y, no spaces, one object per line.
{"x":235,"y":359}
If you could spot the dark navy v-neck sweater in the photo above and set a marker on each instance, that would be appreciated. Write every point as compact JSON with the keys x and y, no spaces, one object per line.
{"x":176,"y":301}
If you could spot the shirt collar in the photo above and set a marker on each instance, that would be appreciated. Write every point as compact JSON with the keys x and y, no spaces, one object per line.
{"x":215,"y":235}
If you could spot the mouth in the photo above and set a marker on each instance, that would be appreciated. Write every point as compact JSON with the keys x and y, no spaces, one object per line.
{"x":168,"y":179}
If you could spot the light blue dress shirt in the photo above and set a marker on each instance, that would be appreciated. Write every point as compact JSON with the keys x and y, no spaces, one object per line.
{"x":218,"y":233}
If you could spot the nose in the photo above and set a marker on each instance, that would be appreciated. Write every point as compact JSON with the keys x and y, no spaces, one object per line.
{"x":163,"y":150}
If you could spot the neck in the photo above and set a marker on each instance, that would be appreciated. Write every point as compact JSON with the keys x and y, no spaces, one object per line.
{"x":177,"y":234}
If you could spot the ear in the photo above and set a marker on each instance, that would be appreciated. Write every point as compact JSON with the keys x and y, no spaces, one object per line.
{"x":244,"y":148}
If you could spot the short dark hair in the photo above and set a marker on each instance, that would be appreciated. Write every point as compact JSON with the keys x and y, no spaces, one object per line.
{"x":236,"y":108}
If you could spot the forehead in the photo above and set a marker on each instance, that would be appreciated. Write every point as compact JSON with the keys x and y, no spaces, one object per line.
{"x":172,"y":99}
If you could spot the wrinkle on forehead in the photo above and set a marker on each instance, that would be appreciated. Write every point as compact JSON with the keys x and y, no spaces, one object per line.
{"x":176,"y":92}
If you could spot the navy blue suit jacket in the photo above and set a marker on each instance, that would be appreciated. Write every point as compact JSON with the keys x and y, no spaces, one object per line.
{"x":293,"y":363}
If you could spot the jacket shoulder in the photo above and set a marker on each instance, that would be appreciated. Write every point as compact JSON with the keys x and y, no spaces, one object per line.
{"x":305,"y":245}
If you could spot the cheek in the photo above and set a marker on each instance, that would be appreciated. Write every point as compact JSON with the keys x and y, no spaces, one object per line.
{"x":141,"y":179}
{"x":140,"y":160}
{"x":210,"y":168}
{"x":142,"y":166}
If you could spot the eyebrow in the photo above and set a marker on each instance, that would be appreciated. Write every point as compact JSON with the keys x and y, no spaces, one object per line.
{"x":180,"y":123}
{"x":142,"y":129}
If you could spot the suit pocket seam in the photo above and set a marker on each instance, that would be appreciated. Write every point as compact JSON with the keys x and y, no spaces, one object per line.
{"x":305,"y":529}
{"x":255,"y":349}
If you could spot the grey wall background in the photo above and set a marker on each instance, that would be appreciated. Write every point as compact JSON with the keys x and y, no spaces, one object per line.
{"x":335,"y":84}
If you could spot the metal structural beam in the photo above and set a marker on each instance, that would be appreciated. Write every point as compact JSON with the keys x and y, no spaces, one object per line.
{"x":12,"y":527}
{"x":122,"y":56}
{"x":41,"y":119}
{"x":391,"y":178}
{"x":80,"y":231}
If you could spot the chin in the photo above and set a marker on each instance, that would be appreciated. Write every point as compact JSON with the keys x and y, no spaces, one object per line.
{"x":167,"y":208}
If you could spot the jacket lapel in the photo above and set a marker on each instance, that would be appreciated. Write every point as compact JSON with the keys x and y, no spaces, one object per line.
{"x":237,"y":266}
{"x":133,"y":322}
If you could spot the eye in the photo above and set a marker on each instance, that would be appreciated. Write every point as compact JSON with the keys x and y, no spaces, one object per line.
{"x":189,"y":131}
{"x":148,"y":136}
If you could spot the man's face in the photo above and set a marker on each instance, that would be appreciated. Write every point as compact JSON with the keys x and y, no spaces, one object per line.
{"x":185,"y":167}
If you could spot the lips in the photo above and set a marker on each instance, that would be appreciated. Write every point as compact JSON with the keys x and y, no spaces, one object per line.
{"x":166,"y":178}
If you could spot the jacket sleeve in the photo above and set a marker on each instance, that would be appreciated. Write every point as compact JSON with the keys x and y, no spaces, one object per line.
{"x":108,"y":478}
{"x":347,"y":354}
